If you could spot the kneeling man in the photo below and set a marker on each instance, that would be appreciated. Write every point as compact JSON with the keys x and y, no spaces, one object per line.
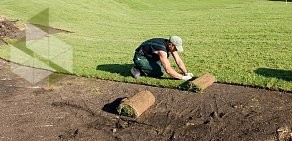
{"x":151,"y":58}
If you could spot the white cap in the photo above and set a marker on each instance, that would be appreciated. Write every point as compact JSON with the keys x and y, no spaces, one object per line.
{"x":177,"y":41}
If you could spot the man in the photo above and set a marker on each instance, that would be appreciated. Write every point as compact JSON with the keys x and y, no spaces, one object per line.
{"x":151,"y":58}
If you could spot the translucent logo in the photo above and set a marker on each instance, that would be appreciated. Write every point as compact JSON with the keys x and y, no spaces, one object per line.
{"x":40,"y":49}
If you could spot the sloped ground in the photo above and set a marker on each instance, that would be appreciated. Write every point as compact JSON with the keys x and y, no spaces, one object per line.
{"x":18,"y":30}
{"x":75,"y":108}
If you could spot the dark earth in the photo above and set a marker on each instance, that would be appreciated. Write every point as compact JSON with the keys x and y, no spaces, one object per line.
{"x":66,"y":107}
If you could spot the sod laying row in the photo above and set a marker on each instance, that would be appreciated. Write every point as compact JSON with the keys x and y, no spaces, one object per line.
{"x":242,"y":42}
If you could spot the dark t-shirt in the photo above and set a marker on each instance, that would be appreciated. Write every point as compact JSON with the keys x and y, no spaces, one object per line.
{"x":148,"y":48}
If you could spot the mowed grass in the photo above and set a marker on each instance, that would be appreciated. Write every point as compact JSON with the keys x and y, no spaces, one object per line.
{"x":241,"y":42}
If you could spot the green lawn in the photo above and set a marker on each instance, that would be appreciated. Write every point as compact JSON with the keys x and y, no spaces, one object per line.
{"x":243,"y":42}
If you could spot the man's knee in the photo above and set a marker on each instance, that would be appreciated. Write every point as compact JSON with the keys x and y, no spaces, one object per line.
{"x":157,"y":74}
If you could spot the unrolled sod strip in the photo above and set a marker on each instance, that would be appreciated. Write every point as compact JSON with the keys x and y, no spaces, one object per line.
{"x":201,"y":83}
{"x":20,"y":25}
{"x":136,"y":105}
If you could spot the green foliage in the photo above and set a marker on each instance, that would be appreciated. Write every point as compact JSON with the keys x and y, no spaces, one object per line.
{"x":194,"y":88}
{"x":243,"y":42}
{"x":126,"y":110}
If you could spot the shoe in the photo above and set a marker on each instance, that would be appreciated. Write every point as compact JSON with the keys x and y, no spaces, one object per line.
{"x":135,"y":72}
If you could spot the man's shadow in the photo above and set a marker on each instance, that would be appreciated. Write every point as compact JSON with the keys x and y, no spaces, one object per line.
{"x":275,"y":73}
{"x":125,"y":70}
{"x":122,"y":69}
{"x":282,"y":0}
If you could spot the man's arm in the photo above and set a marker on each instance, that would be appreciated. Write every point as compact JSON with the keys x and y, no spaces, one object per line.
{"x":166,"y":64}
{"x":179,"y":62}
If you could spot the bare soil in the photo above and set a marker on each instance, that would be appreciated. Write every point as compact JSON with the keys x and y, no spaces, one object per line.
{"x":65,"y":107}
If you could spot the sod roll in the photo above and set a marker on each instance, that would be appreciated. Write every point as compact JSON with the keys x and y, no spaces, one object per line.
{"x":201,"y":83}
{"x":136,"y":105}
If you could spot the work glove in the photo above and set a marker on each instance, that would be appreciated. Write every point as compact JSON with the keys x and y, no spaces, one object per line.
{"x":190,"y":74}
{"x":187,"y":77}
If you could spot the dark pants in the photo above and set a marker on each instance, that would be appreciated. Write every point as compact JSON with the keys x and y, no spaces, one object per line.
{"x":148,"y":66}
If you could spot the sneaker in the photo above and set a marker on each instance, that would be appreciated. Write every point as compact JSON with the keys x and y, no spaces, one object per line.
{"x":135,"y":72}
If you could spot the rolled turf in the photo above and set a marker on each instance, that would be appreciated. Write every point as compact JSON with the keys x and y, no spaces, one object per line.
{"x":136,"y":105}
{"x":201,"y":83}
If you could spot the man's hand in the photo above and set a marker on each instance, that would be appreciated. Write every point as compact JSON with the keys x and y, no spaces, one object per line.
{"x":187,"y":77}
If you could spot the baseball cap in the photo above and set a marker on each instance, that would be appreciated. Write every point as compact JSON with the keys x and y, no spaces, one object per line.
{"x":177,"y":41}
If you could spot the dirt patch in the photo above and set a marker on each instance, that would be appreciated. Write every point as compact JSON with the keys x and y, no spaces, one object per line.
{"x":76,"y":108}
{"x":9,"y":30}
{"x":18,"y":30}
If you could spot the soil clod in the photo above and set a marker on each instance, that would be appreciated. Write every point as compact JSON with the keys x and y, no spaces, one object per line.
{"x":284,"y":134}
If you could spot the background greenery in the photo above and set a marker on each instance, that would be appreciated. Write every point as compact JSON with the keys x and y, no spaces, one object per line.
{"x":242,"y":42}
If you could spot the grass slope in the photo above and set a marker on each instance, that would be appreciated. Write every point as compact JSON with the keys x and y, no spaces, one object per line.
{"x":243,"y":42}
